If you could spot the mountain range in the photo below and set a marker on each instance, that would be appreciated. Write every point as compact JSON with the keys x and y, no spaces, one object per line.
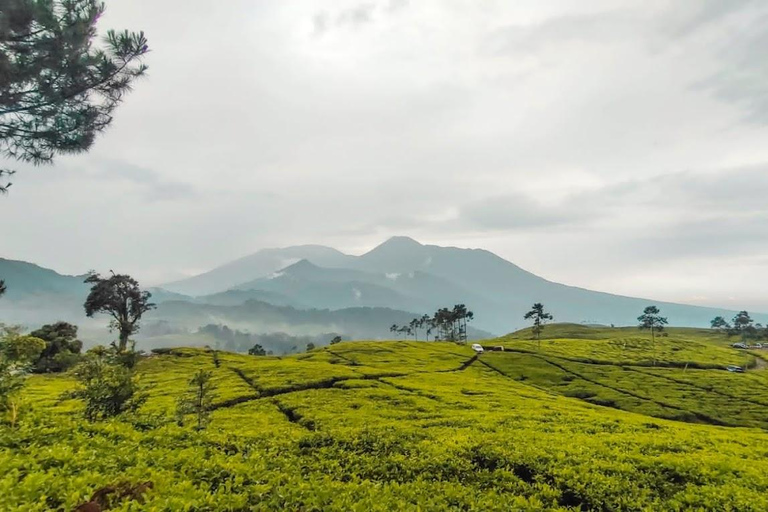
{"x":311,"y":289}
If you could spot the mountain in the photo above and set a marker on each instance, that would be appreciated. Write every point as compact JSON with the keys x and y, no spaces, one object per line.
{"x":260,"y":264}
{"x":404,"y":274}
{"x":399,"y":275}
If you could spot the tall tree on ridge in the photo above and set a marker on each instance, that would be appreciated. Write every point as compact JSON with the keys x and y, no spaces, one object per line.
{"x":540,"y":317}
{"x":120,"y":297}
{"x":57,"y":89}
{"x":651,"y":319}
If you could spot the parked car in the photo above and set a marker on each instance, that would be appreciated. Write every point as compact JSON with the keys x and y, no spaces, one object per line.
{"x":734,"y":368}
{"x":739,"y":345}
{"x":757,"y":345}
{"x":477,"y":348}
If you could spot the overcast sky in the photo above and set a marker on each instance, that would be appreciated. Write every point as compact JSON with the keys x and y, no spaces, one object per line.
{"x":615,"y":145}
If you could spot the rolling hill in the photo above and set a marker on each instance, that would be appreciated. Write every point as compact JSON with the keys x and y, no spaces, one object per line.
{"x":415,"y":426}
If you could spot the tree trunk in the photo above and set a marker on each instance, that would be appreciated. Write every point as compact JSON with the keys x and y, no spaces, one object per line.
{"x":123,"y":340}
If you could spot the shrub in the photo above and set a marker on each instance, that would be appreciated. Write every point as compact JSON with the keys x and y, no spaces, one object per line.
{"x":108,"y":387}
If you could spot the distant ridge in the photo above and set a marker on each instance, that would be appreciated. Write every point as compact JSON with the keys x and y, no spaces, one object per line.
{"x":400,"y":274}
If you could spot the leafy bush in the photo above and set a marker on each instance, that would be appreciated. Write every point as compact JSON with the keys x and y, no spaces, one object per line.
{"x":108,"y":388}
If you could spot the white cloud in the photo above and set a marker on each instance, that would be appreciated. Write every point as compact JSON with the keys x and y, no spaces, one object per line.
{"x":585,"y":141}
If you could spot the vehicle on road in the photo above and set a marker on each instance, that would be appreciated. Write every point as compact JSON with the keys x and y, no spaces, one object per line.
{"x":734,"y":368}
{"x":739,"y":345}
{"x":477,"y":348}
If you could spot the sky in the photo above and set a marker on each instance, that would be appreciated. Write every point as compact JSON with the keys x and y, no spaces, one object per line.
{"x":613,"y":145}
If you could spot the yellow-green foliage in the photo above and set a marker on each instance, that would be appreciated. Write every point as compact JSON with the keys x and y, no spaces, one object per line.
{"x":401,"y":426}
{"x":680,"y":346}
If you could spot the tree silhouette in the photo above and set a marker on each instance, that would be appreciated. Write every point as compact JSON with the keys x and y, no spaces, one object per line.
{"x":719,"y":323}
{"x":540,"y":318}
{"x":57,"y":89}
{"x":257,"y":350}
{"x":425,"y":323}
{"x":651,"y":319}
{"x":2,"y":287}
{"x":742,"y":325}
{"x":120,"y":297}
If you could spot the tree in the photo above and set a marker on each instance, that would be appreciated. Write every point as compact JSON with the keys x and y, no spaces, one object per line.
{"x":198,"y":399}
{"x":335,"y":340}
{"x":62,"y":348}
{"x":425,"y":322}
{"x":107,"y":387}
{"x":540,"y":318}
{"x":310,"y":346}
{"x":257,"y":350}
{"x":120,"y":297}
{"x":652,"y":319}
{"x":719,"y":323}
{"x":2,"y":287}
{"x":742,"y":326}
{"x":57,"y":89}
{"x":413,"y":328}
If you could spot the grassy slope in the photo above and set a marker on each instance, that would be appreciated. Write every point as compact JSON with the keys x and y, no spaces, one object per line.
{"x":407,"y":425}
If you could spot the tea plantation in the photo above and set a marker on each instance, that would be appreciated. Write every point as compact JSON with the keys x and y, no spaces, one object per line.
{"x":589,"y":419}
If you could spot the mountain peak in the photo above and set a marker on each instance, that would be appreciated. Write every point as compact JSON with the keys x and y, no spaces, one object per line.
{"x":400,"y":242}
{"x":301,"y":265}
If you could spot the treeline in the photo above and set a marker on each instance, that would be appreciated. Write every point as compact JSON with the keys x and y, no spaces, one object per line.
{"x":445,"y":324}
{"x":275,"y":343}
{"x":741,"y":325}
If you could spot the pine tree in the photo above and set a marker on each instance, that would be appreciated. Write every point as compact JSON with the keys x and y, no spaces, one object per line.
{"x":58,"y":90}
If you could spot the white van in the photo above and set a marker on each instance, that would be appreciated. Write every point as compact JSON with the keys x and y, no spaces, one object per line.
{"x":477,"y":348}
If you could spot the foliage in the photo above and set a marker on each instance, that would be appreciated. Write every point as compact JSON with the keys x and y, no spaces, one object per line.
{"x":198,"y":399}
{"x":310,"y":347}
{"x":719,"y":323}
{"x":107,"y":387}
{"x":540,"y":317}
{"x":652,"y":320}
{"x":257,"y":350}
{"x":62,"y":348}
{"x":2,"y":288}
{"x":447,"y":324}
{"x":57,"y":89}
{"x":743,"y":326}
{"x":407,"y":425}
{"x":17,"y":351}
{"x":120,"y":297}
{"x":335,"y":340}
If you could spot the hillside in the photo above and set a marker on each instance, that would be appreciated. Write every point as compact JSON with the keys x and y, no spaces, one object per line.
{"x":416,"y":425}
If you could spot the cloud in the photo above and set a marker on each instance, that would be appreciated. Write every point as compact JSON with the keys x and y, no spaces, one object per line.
{"x":586,"y":141}
{"x":356,"y":16}
{"x":522,"y":212}
{"x":154,"y":186}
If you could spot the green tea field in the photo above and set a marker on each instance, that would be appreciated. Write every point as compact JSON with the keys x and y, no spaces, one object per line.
{"x":589,"y":419}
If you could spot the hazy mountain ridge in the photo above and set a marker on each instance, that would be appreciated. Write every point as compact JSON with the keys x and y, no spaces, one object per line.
{"x":425,"y":277}
{"x":399,"y":276}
